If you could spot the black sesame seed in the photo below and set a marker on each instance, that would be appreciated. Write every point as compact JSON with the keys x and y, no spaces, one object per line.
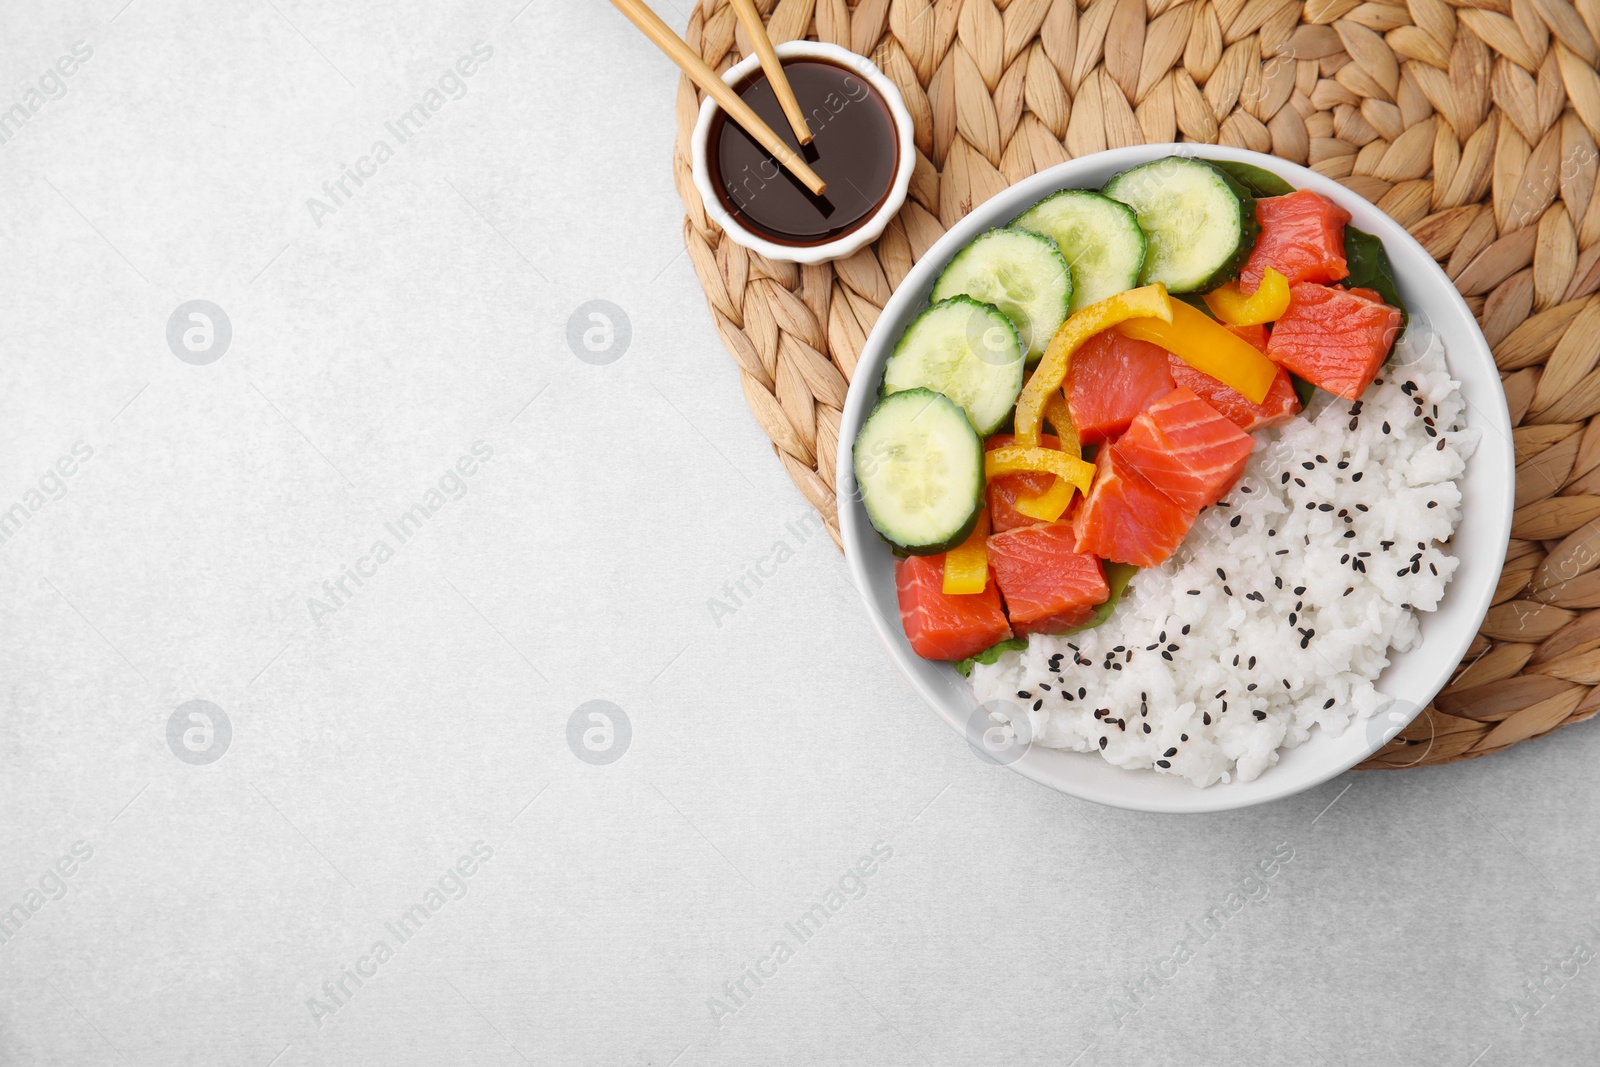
{"x":1081,"y":692}
{"x":1024,"y":694}
{"x":1324,"y":507}
{"x":1235,"y":520}
{"x":1205,"y":717}
{"x":1102,"y":742}
{"x":1343,"y":464}
{"x":1166,"y":655}
{"x":1146,"y":727}
{"x":1251,"y":688}
{"x":1222,"y":574}
{"x":1349,"y":533}
{"x":1171,"y":751}
{"x":1037,"y":704}
{"x":1309,"y":466}
{"x":1386,"y":428}
{"x":1349,"y":589}
{"x":1361,"y":507}
{"x":1327,"y":704}
{"x":1236,"y":661}
{"x":1163,"y":763}
{"x":1185,"y":629}
{"x":1300,"y":482}
{"x":1285,"y":478}
{"x":1194,"y":592}
{"x":1259,"y":714}
{"x":1299,"y":590}
{"x":1440,"y":446}
{"x":1356,"y":477}
{"x":1183,"y":737}
{"x":1252,"y":663}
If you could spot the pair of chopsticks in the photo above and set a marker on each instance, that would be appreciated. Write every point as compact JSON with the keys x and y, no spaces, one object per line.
{"x":662,"y":37}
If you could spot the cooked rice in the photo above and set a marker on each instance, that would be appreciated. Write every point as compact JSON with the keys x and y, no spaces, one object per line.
{"x":1278,"y":611}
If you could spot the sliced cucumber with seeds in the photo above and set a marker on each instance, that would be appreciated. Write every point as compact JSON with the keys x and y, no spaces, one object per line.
{"x":967,"y":350}
{"x":1099,"y":237}
{"x":919,"y":469}
{"x":1021,"y":273}
{"x":1201,"y":224}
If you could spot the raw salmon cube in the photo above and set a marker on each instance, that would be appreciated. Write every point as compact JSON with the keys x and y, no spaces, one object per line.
{"x":1110,"y":380}
{"x":946,"y":627}
{"x":1336,"y":339}
{"x":1302,"y":238}
{"x":1280,"y":405}
{"x":1047,"y":584}
{"x":1125,"y":518}
{"x":1187,"y":449}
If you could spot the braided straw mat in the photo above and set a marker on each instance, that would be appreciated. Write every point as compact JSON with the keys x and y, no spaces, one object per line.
{"x":1471,"y":122}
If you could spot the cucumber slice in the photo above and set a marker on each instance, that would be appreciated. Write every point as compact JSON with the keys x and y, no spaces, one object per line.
{"x":968,"y":351}
{"x":919,"y":469}
{"x":1200,"y":222}
{"x":1099,"y":237}
{"x":1021,"y":273}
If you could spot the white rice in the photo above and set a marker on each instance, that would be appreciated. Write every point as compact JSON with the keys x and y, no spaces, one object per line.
{"x":1296,"y":632}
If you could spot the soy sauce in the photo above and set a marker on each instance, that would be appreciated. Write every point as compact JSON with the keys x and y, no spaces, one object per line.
{"x":854,"y":148}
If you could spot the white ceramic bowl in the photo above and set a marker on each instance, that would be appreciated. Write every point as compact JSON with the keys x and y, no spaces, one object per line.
{"x":1413,"y":678}
{"x":856,"y":239}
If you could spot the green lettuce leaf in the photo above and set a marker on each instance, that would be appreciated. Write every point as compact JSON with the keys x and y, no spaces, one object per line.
{"x":990,"y":654}
{"x":1370,"y":269}
{"x":1256,"y":181}
{"x":1302,"y":389}
{"x":1118,"y":575}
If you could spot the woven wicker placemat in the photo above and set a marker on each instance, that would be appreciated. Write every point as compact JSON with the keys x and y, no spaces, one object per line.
{"x":1472,"y":122}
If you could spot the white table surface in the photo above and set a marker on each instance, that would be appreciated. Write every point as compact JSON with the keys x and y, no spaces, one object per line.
{"x":426,"y":714}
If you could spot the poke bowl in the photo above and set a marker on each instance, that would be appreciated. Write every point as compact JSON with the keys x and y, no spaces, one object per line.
{"x":1344,"y":451}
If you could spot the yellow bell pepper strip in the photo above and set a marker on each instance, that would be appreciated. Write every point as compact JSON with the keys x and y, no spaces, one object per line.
{"x":1070,"y":471}
{"x":1147,"y":303}
{"x":1048,"y":505}
{"x":1207,"y":346}
{"x":966,"y":567}
{"x":1266,"y":304}
{"x":1059,"y":415}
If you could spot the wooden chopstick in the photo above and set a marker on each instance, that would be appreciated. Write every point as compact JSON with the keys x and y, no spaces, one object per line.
{"x":746,"y":10}
{"x":662,"y":37}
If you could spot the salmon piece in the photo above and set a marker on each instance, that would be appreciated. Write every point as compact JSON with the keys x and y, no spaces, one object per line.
{"x":1281,"y":403}
{"x":1004,"y":491}
{"x":1126,"y":519}
{"x":1336,"y":339}
{"x":946,"y":627}
{"x":1047,"y":584}
{"x":1256,"y":335}
{"x":1187,"y":449}
{"x":1302,"y":238}
{"x":1110,"y":380}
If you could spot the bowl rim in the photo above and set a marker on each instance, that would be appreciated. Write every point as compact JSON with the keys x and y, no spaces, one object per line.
{"x":1493,"y":461}
{"x":846,"y":244}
